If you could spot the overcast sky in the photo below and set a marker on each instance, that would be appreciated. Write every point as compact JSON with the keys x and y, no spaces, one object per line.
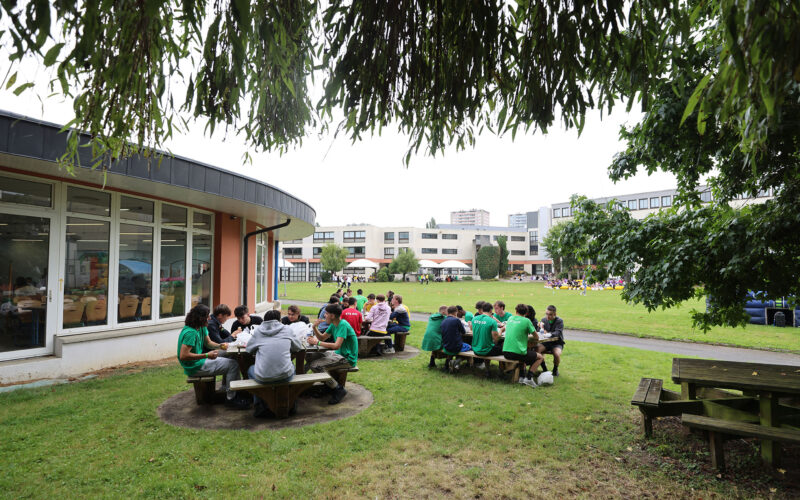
{"x":368,"y":181}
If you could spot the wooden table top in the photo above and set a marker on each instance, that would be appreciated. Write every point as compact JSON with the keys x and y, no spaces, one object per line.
{"x":780,"y":379}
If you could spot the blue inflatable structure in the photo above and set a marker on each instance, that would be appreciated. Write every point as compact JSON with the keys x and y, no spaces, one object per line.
{"x":762,"y":312}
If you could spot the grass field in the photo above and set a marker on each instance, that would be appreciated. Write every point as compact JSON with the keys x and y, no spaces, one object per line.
{"x":599,"y":310}
{"x":427,"y":435}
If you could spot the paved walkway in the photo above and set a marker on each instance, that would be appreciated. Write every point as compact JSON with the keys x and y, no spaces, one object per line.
{"x":675,"y":347}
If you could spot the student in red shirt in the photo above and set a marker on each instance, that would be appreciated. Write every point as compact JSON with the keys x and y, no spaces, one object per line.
{"x":352,"y":316}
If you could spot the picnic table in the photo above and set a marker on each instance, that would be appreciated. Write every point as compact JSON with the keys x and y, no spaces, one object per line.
{"x":759,"y":412}
{"x":246,"y":360}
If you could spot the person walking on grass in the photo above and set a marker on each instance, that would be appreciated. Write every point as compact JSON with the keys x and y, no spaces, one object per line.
{"x":515,"y":346}
{"x":343,"y":353}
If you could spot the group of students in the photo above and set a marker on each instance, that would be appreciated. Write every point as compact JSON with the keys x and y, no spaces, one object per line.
{"x":374,"y":315}
{"x":203,"y":340}
{"x":445,"y":330}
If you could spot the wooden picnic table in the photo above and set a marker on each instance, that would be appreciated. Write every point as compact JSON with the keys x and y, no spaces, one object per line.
{"x":246,"y":360}
{"x":765,"y":383}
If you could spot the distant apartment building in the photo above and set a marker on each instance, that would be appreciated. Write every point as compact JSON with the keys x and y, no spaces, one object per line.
{"x":518,"y":220}
{"x":459,"y":242}
{"x":473,"y":217}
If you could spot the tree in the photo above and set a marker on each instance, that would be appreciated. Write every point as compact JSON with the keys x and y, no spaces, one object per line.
{"x":333,"y":258}
{"x":431,"y":224}
{"x":717,"y":81}
{"x":488,"y":262}
{"x":404,"y":262}
{"x":503,"y":262}
{"x":564,"y":256}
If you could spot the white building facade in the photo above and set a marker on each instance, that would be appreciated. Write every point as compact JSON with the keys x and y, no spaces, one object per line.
{"x":472,"y":217}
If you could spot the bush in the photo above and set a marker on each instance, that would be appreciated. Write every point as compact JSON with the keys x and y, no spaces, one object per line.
{"x":488,"y":262}
{"x":384,"y":275}
{"x":325,"y":276}
{"x":467,"y":278}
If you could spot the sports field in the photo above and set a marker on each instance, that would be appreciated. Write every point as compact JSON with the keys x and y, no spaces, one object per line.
{"x":601,"y":310}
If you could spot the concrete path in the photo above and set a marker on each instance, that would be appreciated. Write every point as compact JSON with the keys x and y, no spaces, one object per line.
{"x":674,"y":347}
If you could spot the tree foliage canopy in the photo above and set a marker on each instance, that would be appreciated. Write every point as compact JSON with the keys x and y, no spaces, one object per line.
{"x":564,"y":257}
{"x":333,"y":258}
{"x":488,"y":262}
{"x":404,"y":262}
{"x":503,"y":262}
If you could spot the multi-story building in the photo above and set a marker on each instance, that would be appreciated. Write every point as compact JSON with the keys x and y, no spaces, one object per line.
{"x":472,"y":217}
{"x":518,"y":220}
{"x":381,"y":244}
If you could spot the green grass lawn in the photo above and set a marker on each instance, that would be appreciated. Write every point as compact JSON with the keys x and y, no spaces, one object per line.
{"x":603,"y":310}
{"x":428,"y":434}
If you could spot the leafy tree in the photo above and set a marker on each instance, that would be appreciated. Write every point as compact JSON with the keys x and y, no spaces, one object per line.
{"x":488,"y":262}
{"x":431,"y":224}
{"x":384,"y":275}
{"x":503,"y":263}
{"x":717,"y":81}
{"x":333,"y":258}
{"x":564,"y":256}
{"x":404,"y":262}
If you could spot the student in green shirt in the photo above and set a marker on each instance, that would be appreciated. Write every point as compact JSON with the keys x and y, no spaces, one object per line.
{"x":486,"y":339}
{"x":432,"y":340}
{"x":195,"y":363}
{"x":360,"y":300}
{"x":500,"y":313}
{"x":344,"y":353}
{"x":515,"y":346}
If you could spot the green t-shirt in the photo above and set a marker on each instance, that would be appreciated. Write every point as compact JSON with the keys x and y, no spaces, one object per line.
{"x":432,"y":340}
{"x":505,"y":317}
{"x":349,"y":348}
{"x":468,"y":316}
{"x":482,"y":328}
{"x":360,"y":301}
{"x":517,"y":330}
{"x":194,"y":339}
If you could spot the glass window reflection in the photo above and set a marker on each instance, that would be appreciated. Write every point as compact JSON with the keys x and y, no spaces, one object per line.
{"x":173,"y":273}
{"x":88,"y":201}
{"x":201,"y":269}
{"x":135,"y":209}
{"x":86,"y":272}
{"x":135,"y":272}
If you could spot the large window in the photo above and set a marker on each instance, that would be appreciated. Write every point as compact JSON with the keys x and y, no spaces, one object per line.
{"x":565,"y":212}
{"x":517,"y":252}
{"x":23,"y":192}
{"x":135,"y":277}
{"x":643,"y":204}
{"x":666,"y":201}
{"x":388,"y":253}
{"x":261,"y":269}
{"x":705,"y":196}
{"x":632,"y":204}
{"x":323,"y":237}
{"x":293,"y":253}
{"x":355,"y":252}
{"x":354,"y":236}
{"x":517,"y":238}
{"x":447,"y":236}
{"x":201,"y":269}
{"x":317,"y":251}
{"x":430,"y":236}
{"x":430,"y":251}
{"x":655,"y":202}
{"x":556,"y":213}
{"x":388,"y":237}
{"x":450,"y":251}
{"x":314,"y":270}
{"x":402,"y":237}
{"x":173,"y":273}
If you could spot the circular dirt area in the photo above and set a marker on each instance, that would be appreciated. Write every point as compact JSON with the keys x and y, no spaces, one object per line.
{"x":408,"y":353}
{"x":182,"y":410}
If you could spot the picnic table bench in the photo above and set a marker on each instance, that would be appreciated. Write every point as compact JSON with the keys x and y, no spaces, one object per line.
{"x":764,"y":406}
{"x":280,"y":397}
{"x":505,"y":365}
{"x":367,"y":343}
{"x":205,"y":389}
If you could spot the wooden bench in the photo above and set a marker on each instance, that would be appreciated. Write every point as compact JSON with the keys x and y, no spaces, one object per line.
{"x":655,"y":401}
{"x":718,"y":428}
{"x":505,"y":365}
{"x":366,"y":343}
{"x":205,"y":389}
{"x":340,"y":374}
{"x":280,"y":398}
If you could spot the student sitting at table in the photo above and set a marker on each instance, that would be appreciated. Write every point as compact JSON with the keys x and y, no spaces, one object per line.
{"x":453,"y":338}
{"x":216,"y":332}
{"x":432,"y":340}
{"x":486,"y":339}
{"x":399,"y":321}
{"x":554,"y":326}
{"x":500,"y":313}
{"x":352,"y":316}
{"x":272,"y":346}
{"x":360,"y":301}
{"x":333,"y":300}
{"x":244,"y":320}
{"x":293,"y":316}
{"x":191,"y":341}
{"x":515,"y":346}
{"x":378,"y":316}
{"x":344,"y":353}
{"x":368,"y":304}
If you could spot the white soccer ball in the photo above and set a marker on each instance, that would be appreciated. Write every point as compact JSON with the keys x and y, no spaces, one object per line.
{"x":545,"y":378}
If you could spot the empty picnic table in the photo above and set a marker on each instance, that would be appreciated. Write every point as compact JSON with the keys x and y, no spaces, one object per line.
{"x":766,"y":384}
